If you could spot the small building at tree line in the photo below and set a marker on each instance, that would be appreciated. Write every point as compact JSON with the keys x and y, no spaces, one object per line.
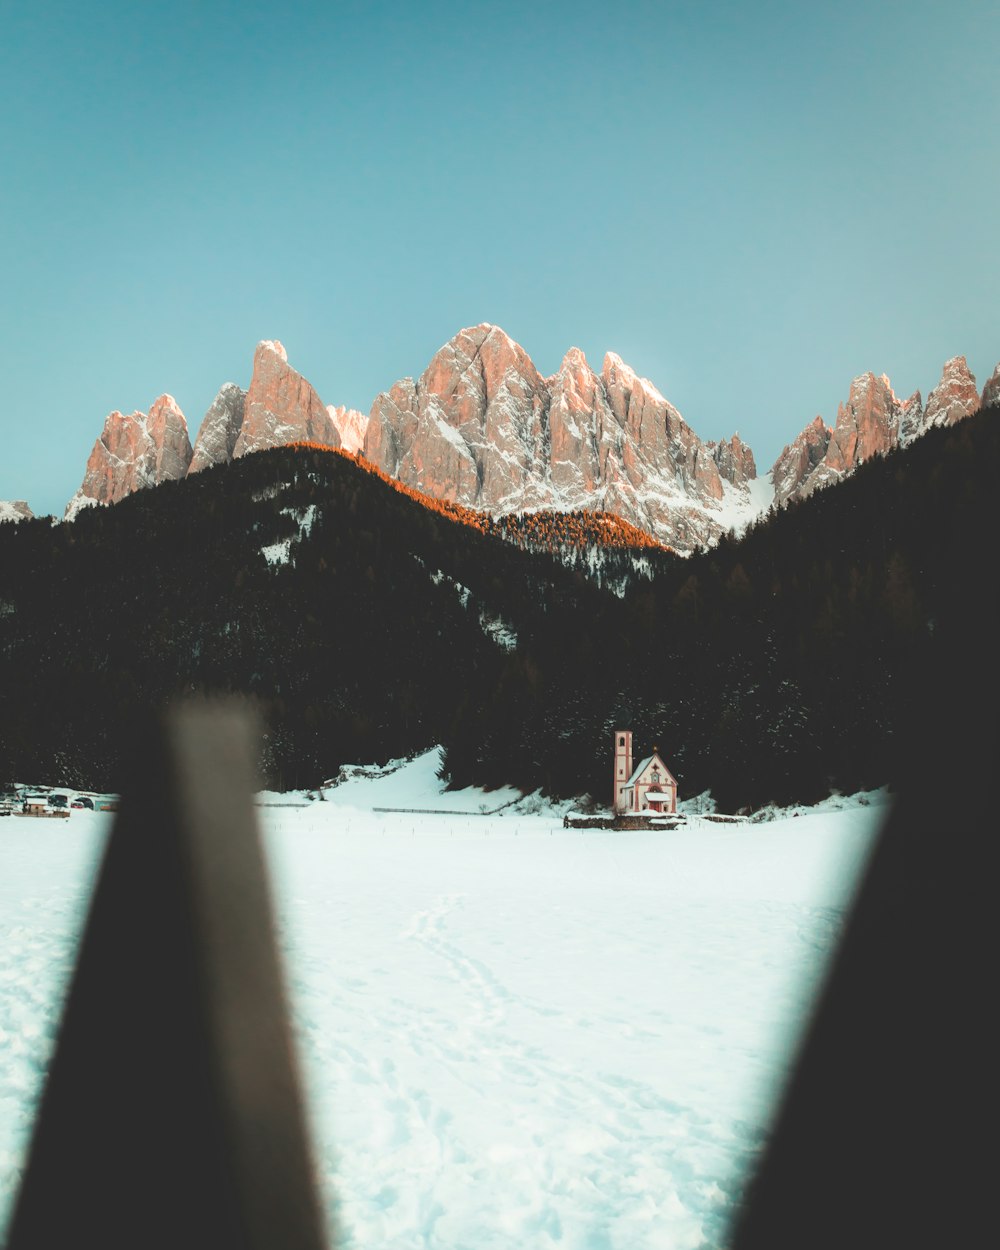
{"x":649,"y":786}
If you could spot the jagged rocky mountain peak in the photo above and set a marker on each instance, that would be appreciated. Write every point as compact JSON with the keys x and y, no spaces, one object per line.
{"x":473,"y":346}
{"x":991,"y":390}
{"x":220,"y":428}
{"x":614,"y":367}
{"x":466,"y":429}
{"x":167,"y":430}
{"x":868,"y":423}
{"x":793,"y":470}
{"x":482,"y":427}
{"x":616,"y":373}
{"x":164,"y":411}
{"x":871,"y":422}
{"x":271,"y":347}
{"x":475,"y":365}
{"x":955,"y":396}
{"x":135,"y":450}
{"x":735,"y":460}
{"x":867,"y":391}
{"x":281,"y":406}
{"x":573,"y":365}
{"x":575,"y":383}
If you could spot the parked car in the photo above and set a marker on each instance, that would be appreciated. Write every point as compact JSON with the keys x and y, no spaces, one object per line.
{"x":83,"y":801}
{"x":77,"y":806}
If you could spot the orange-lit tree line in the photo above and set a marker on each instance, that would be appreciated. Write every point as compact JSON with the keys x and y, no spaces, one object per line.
{"x":582,"y":528}
{"x":454,"y":511}
{"x":544,"y":530}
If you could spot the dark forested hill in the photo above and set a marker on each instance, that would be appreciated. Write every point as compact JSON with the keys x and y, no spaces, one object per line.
{"x":782,"y":665}
{"x":384,"y":615}
{"x":366,"y":625}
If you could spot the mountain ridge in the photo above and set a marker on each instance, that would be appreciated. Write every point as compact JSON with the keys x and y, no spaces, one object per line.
{"x":365,"y":623}
{"x":481,"y":427}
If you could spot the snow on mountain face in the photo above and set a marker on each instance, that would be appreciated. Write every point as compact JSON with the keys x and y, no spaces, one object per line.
{"x":483,"y":428}
{"x":14,"y":510}
{"x":133,"y":452}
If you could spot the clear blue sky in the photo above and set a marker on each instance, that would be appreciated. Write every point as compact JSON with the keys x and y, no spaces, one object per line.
{"x":751,"y":203}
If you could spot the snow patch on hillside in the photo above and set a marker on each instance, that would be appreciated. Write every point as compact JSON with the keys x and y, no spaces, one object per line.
{"x":281,"y":552}
{"x":278,"y":553}
{"x":494,"y":627}
{"x":740,"y":506}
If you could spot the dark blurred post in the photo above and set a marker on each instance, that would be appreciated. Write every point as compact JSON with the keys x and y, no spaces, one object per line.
{"x":172,"y":1115}
{"x":885,"y":1137}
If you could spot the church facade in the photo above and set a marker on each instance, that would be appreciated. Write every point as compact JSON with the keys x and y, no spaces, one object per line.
{"x":648,"y":786}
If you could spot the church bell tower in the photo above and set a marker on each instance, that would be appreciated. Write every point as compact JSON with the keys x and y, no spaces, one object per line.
{"x":623,"y":766}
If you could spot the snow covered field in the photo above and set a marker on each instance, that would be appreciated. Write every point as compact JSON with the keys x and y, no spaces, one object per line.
{"x":512,"y":1034}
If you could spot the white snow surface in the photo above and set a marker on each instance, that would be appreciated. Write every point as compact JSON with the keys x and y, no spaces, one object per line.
{"x":741,"y":505}
{"x":511,"y":1033}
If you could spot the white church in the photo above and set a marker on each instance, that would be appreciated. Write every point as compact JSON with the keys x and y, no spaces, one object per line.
{"x":648,"y":787}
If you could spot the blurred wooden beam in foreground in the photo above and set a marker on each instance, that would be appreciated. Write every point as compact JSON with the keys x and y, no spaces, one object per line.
{"x":172,"y":1115}
{"x":879,"y":1143}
